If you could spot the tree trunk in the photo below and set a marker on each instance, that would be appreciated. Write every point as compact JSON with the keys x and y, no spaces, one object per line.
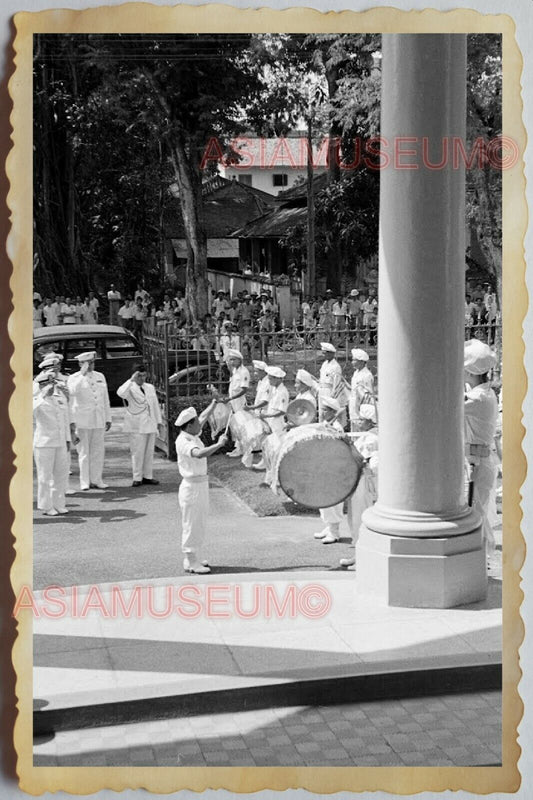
{"x":311,"y":266}
{"x":190,"y":185}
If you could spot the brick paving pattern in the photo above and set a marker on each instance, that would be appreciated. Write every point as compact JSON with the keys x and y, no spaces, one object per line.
{"x":449,"y":730}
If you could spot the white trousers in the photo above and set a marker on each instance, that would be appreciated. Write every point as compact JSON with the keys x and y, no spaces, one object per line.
{"x":142,"y":455}
{"x":194,"y":506}
{"x":91,"y":455}
{"x":332,"y":516}
{"x":52,"y":476}
{"x":484,"y":477}
{"x":364,"y":496}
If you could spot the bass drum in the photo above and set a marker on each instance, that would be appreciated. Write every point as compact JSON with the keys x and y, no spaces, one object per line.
{"x":317,"y":467}
{"x":219,"y":418}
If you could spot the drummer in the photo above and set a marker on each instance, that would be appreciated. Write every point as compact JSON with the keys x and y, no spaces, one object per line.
{"x":276,"y":408}
{"x":362,"y":383}
{"x":306,"y":387}
{"x":264,"y":387}
{"x":366,"y":492}
{"x":238,"y":386}
{"x":331,"y":381}
{"x":332,"y":516}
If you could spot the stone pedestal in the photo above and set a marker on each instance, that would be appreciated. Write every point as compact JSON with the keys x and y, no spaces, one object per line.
{"x":420,"y":545}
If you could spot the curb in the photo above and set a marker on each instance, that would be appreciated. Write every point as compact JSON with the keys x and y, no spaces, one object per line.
{"x":326,"y":691}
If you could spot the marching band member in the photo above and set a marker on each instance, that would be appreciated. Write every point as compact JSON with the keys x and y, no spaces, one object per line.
{"x":332,"y":516}
{"x":331,"y":382}
{"x":50,"y":412}
{"x":193,"y":493}
{"x":275,"y":410}
{"x":238,"y":386}
{"x":263,"y":389}
{"x":306,"y":387}
{"x":366,"y":492}
{"x":91,"y":412}
{"x":362,"y":383}
{"x":142,"y":421}
{"x":481,"y":416}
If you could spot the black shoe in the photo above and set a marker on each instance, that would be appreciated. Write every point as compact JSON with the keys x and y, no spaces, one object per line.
{"x":137,"y":483}
{"x":151,"y":481}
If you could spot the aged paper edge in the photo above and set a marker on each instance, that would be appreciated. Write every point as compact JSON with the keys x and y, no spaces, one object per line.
{"x":137,"y":17}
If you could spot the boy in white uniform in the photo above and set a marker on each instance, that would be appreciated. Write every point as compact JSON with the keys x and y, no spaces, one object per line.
{"x":91,"y":413}
{"x":50,"y":412}
{"x":238,"y":386}
{"x":275,"y":410}
{"x":263,"y":389}
{"x":362,"y":382}
{"x":331,"y":382}
{"x":333,"y":515}
{"x":193,"y":493}
{"x":142,"y":421}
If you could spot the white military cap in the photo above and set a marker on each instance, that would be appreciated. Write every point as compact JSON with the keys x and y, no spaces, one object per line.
{"x":234,"y":354}
{"x":330,"y":402}
{"x":260,"y":365}
{"x":185,"y":416}
{"x":305,"y":377}
{"x":326,"y":347}
{"x":359,"y":355}
{"x":50,"y":359}
{"x":354,"y":293}
{"x":275,"y":372}
{"x":90,"y":355}
{"x":44,"y":376}
{"x":479,"y":358}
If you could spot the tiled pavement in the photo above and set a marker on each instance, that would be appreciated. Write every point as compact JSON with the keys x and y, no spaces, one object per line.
{"x":449,"y":730}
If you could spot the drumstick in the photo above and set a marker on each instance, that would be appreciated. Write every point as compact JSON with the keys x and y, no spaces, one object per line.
{"x":228,"y":422}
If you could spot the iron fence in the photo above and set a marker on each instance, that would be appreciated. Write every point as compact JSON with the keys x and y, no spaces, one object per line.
{"x":184,"y":365}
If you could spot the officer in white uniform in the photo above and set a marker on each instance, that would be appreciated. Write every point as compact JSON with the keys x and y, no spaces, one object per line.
{"x":142,"y":421}
{"x":238,"y":386}
{"x":91,"y":413}
{"x":333,"y":515}
{"x":362,"y":383}
{"x":193,"y":493}
{"x":481,"y":417}
{"x":331,"y":382}
{"x":50,"y":413}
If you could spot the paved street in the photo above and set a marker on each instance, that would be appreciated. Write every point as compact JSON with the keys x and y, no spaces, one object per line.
{"x":453,"y":730}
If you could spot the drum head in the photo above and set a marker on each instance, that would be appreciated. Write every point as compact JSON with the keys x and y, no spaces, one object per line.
{"x":320,"y":472}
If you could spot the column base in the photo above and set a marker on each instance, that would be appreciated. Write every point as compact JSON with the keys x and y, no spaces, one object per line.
{"x":421,"y":572}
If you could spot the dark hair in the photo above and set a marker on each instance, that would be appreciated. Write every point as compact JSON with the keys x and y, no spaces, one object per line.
{"x":140,"y":368}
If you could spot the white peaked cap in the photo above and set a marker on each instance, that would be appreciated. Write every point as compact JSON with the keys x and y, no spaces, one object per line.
{"x":234,"y":354}
{"x":330,"y":402}
{"x":327,"y":347}
{"x":90,"y":355}
{"x":185,"y":416}
{"x":44,"y":376}
{"x":479,"y":358}
{"x":50,"y":359}
{"x":359,"y":355}
{"x":260,"y":365}
{"x":275,"y":372}
{"x":305,"y":377}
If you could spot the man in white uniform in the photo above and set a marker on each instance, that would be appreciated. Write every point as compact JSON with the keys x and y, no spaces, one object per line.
{"x":276,"y":408}
{"x":91,"y":413}
{"x":362,"y":383}
{"x":306,"y":387}
{"x":238,"y":386}
{"x":331,"y":382}
{"x":263,"y":388}
{"x":50,"y":413}
{"x":193,"y":493}
{"x":481,"y":416}
{"x":333,"y":515}
{"x":142,"y":421}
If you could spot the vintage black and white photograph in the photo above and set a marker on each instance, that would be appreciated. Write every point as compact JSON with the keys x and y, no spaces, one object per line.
{"x":267,"y":399}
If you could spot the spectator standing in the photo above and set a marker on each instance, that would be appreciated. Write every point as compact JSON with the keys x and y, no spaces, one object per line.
{"x":67,"y":312}
{"x":139,"y":315}
{"x":113,"y":298}
{"x":37,"y":314}
{"x":79,"y":311}
{"x":125,"y":314}
{"x":94,"y":306}
{"x":354,"y":310}
{"x":220,"y":304}
{"x":340,"y":311}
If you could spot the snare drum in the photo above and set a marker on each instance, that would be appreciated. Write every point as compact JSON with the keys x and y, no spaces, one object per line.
{"x":248,"y":429}
{"x":317,"y":467}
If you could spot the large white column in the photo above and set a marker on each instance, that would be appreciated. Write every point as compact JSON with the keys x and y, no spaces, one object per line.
{"x":420,"y":545}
